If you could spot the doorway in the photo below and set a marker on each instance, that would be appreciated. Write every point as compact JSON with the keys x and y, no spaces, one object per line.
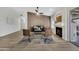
{"x":75,"y":26}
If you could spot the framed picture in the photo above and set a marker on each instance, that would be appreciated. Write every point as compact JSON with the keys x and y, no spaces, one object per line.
{"x":58,"y":19}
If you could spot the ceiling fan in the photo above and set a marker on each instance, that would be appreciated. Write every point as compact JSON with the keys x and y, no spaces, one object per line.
{"x":37,"y":11}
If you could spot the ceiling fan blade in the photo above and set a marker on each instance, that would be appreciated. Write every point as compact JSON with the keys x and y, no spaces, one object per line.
{"x":36,"y":10}
{"x":40,"y":13}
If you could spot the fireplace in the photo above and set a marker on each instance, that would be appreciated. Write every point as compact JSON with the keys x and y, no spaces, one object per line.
{"x":59,"y":31}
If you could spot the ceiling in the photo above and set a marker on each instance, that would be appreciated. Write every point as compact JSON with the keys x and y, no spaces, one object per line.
{"x":46,"y":10}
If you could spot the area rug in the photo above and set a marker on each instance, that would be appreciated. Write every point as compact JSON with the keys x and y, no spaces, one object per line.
{"x":41,"y":40}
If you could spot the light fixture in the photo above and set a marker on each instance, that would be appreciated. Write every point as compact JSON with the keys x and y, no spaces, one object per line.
{"x":37,"y":11}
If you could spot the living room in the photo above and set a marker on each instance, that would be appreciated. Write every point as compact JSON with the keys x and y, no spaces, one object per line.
{"x":35,"y":28}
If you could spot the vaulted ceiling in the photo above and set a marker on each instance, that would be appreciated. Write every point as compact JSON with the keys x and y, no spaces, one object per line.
{"x":46,"y":10}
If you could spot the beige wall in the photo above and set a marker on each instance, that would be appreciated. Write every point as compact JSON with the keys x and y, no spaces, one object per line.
{"x":34,"y":19}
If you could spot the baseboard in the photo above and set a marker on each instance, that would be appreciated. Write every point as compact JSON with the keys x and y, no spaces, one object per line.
{"x":8,"y":33}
